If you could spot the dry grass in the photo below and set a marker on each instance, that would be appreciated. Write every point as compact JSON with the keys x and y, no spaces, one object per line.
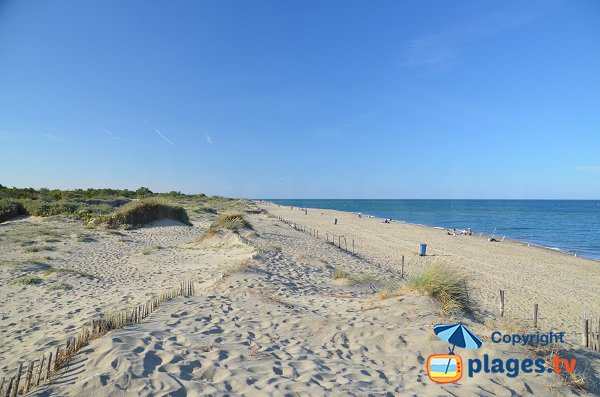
{"x":59,"y":285}
{"x":444,"y":284}
{"x":39,"y":248}
{"x":227,"y":220}
{"x":388,"y":294}
{"x":239,"y":267}
{"x":352,"y":278}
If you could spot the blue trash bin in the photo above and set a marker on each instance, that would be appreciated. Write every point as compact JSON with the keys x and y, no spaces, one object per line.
{"x":422,"y":249}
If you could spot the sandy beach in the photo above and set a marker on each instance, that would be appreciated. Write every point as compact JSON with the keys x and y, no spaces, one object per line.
{"x":269,"y":317}
{"x":565,"y":287}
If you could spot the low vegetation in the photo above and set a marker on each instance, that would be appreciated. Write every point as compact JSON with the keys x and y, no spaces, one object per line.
{"x":142,"y":212}
{"x":38,"y":248}
{"x":239,"y":267}
{"x":444,"y":284}
{"x":93,"y":206}
{"x":10,"y":209}
{"x":85,"y":238}
{"x":29,"y":280}
{"x":228,"y":220}
{"x":59,"y":285}
{"x":341,"y":273}
{"x":151,"y":249}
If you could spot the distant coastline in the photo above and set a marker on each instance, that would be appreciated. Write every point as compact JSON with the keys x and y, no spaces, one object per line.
{"x":565,"y":226}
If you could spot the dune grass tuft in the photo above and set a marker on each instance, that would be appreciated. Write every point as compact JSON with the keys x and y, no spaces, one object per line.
{"x":140,"y":213}
{"x":353,"y":278}
{"x":36,"y":248}
{"x":228,"y":220}
{"x":29,"y":280}
{"x":442,"y":283}
{"x":59,"y":285}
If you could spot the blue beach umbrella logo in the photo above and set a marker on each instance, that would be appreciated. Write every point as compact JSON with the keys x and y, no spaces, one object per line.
{"x":457,"y":335}
{"x":447,"y":368}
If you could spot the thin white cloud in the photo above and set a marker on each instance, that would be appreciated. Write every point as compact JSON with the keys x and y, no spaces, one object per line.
{"x":52,"y":137}
{"x":444,"y":49}
{"x":109,"y":134}
{"x":164,"y":138}
{"x":208,"y":139}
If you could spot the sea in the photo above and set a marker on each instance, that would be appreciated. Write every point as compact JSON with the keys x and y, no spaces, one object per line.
{"x":570,"y":226}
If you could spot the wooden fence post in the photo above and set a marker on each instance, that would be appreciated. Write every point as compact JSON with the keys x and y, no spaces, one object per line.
{"x":501,"y":303}
{"x":16,"y":385}
{"x":10,"y":386}
{"x":585,"y":341}
{"x":352,"y":246}
{"x":535,"y":315}
{"x":402,"y":274}
{"x":28,"y":376}
{"x":49,"y":367}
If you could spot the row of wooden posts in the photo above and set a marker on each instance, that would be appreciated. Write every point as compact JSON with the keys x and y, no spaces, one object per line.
{"x":38,"y":372}
{"x":591,"y":332}
{"x":590,"y":326}
{"x":341,"y":242}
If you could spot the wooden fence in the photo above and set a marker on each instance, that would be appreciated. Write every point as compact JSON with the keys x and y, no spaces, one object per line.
{"x":591,"y":332}
{"x":31,"y":374}
{"x":339,"y":241}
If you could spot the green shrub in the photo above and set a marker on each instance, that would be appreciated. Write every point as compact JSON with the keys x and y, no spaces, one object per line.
{"x":9,"y":209}
{"x":142,"y":212}
{"x":444,"y":284}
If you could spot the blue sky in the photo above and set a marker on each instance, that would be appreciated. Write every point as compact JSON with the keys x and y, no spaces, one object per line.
{"x":303,"y":99}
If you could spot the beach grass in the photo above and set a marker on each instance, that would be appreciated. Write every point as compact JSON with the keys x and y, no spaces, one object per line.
{"x":59,"y":285}
{"x":341,"y":273}
{"x":38,"y":248}
{"x":228,"y":220}
{"x":143,"y":212}
{"x":444,"y":284}
{"x":28,"y":280}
